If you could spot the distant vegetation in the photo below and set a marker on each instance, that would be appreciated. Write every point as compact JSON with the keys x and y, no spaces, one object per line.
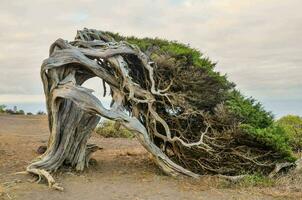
{"x":111,"y":129}
{"x":2,"y":108}
{"x":292,"y":125}
{"x":16,"y":111}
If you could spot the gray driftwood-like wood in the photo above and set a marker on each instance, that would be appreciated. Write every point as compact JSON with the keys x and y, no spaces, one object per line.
{"x":74,"y":112}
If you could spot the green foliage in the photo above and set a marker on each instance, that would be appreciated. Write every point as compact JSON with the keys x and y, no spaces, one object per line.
{"x":108,"y":129}
{"x":256,"y":180}
{"x":174,"y":48}
{"x":13,"y":112}
{"x":273,"y":137}
{"x":204,"y":88}
{"x":248,"y":110}
{"x":293,"y":127}
{"x":2,"y":108}
{"x":20,"y":112}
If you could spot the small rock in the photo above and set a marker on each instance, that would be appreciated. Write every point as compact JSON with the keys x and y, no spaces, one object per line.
{"x":93,"y":162}
{"x":41,"y":149}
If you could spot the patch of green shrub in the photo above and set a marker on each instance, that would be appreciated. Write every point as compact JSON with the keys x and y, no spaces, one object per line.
{"x":256,"y":180}
{"x":2,"y":108}
{"x":250,"y":180}
{"x":292,"y":125}
{"x":173,"y":48}
{"x":274,"y":137}
{"x":108,"y":129}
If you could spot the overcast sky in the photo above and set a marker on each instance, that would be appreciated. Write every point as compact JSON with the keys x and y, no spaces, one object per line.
{"x":258,"y":43}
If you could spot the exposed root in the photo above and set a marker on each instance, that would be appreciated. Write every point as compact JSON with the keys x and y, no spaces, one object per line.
{"x":41,"y":173}
{"x":279,"y":167}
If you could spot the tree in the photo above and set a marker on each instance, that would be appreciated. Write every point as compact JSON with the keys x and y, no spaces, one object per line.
{"x":188,"y":116}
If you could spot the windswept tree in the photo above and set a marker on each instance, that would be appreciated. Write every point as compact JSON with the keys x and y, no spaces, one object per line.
{"x":187,"y":115}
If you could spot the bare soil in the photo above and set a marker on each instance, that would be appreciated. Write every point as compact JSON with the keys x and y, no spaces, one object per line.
{"x":122,"y":170}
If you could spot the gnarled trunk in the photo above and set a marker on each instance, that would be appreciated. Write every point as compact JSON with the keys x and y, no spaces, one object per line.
{"x":73,"y":112}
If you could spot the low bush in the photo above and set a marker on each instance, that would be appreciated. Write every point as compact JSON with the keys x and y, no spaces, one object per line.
{"x":274,"y":137}
{"x":110,"y":129}
{"x":2,"y":108}
{"x":292,"y":125}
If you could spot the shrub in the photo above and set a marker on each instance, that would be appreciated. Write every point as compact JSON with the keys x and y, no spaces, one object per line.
{"x":109,"y":129}
{"x":40,"y":112}
{"x":2,"y":108}
{"x":273,"y":137}
{"x":256,"y":180}
{"x":293,"y":127}
{"x":15,"y":111}
{"x":20,"y":112}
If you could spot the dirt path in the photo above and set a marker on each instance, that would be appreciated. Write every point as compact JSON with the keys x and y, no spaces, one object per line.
{"x":123,"y":170}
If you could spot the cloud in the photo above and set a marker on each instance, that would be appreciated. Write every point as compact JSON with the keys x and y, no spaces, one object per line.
{"x":256,"y":42}
{"x":73,"y":17}
{"x":18,"y":98}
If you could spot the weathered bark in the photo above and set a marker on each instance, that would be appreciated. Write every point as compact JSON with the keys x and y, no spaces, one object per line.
{"x":73,"y":112}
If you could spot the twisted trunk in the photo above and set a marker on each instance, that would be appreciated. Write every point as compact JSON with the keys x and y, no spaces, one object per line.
{"x":74,"y":112}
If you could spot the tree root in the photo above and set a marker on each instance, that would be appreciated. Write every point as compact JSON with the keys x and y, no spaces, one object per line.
{"x":41,"y":173}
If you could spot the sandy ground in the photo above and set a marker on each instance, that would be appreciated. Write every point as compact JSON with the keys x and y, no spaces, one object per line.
{"x":123,"y":170}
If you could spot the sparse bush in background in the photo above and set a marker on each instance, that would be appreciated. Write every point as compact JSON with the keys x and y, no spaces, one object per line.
{"x":14,"y":111}
{"x":20,"y":112}
{"x":41,"y":112}
{"x":109,"y":129}
{"x":292,"y":125}
{"x":2,"y":108}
